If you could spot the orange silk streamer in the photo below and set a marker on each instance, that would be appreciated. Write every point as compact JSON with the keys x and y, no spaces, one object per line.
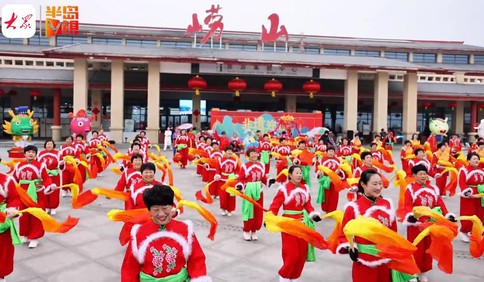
{"x":387,"y":155}
{"x":207,"y":199}
{"x":347,"y":169}
{"x":337,"y":230}
{"x":452,"y":186}
{"x":110,"y":146}
{"x":441,"y":245}
{"x":48,"y":223}
{"x":476,"y":239}
{"x":420,"y":211}
{"x":204,"y":213}
{"x":387,"y":169}
{"x":390,"y":244}
{"x":400,"y":181}
{"x":25,"y":198}
{"x":119,"y":156}
{"x":116,"y":170}
{"x":192,"y":152}
{"x":236,"y":192}
{"x":337,"y":182}
{"x":305,"y":157}
{"x":127,"y":215}
{"x":295,"y":228}
{"x":108,"y":193}
{"x":80,"y":200}
{"x":283,"y":172}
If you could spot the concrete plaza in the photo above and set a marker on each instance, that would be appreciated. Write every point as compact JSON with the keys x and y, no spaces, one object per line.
{"x":91,"y":251}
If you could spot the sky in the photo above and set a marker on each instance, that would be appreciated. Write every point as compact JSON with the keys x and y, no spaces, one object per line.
{"x":446,"y":20}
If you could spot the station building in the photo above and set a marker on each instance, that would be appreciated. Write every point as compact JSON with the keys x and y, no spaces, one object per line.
{"x":136,"y":78}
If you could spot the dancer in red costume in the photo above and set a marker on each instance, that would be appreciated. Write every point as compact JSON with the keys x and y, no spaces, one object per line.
{"x":147,"y":171}
{"x":67,"y":169}
{"x":163,"y":249}
{"x":377,"y":155}
{"x":250,"y":179}
{"x":200,"y":145}
{"x":295,"y":200}
{"x":327,"y":194}
{"x":404,"y":152}
{"x":228,"y":168}
{"x":443,"y":154}
{"x":265,"y":149}
{"x":422,"y":193}
{"x":34,"y":179}
{"x":345,"y":149}
{"x":420,"y":159}
{"x":182,"y":143}
{"x":367,"y":267}
{"x":216,"y":155}
{"x":50,"y":157}
{"x":284,"y":150}
{"x":130,"y":177}
{"x":9,"y":204}
{"x":83,"y":154}
{"x":455,"y":144}
{"x":470,"y":178}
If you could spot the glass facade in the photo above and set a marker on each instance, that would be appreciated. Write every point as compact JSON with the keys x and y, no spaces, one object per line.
{"x":367,"y":53}
{"x":69,"y":40}
{"x":424,"y":58}
{"x":175,"y":44}
{"x":455,"y":59}
{"x":241,"y":47}
{"x":402,"y":56}
{"x":479,"y":59}
{"x":108,"y":41}
{"x":337,"y":52}
{"x":139,"y":42}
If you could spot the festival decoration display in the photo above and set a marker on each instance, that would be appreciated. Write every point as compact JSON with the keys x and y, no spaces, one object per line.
{"x":80,"y":123}
{"x":21,"y":127}
{"x":439,"y":126}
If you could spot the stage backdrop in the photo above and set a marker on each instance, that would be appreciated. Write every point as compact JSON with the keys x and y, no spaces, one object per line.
{"x":242,"y":122}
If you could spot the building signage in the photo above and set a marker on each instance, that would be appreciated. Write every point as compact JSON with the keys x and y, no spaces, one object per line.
{"x":271,"y":70}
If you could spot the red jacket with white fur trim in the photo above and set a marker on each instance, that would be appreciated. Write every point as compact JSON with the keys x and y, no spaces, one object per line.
{"x":422,"y":195}
{"x":469,"y":178}
{"x":252,"y":172}
{"x":161,"y":253}
{"x":382,"y":210}
{"x":292,"y":198}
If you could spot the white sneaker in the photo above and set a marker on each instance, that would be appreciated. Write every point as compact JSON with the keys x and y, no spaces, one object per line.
{"x":3,"y":280}
{"x":247,"y":236}
{"x":224,"y":212}
{"x":413,"y":280}
{"x":53,"y":211}
{"x":423,"y":278}
{"x":282,"y":279}
{"x":64,"y":193}
{"x":463,"y":237}
{"x":254,"y":237}
{"x":24,"y":239}
{"x":33,"y":244}
{"x":47,"y":211}
{"x":229,"y":214}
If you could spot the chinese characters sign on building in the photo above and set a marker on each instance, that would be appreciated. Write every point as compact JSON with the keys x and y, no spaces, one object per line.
{"x":61,"y":20}
{"x":215,"y":25}
{"x":18,"y":21}
{"x":213,"y":21}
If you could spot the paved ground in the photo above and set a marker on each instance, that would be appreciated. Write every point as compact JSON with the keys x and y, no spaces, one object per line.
{"x":91,"y":252}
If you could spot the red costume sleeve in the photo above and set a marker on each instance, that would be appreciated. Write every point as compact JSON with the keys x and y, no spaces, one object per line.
{"x":277,"y":202}
{"x":408,"y":203}
{"x":121,"y":182}
{"x":462,"y":179}
{"x":131,"y":268}
{"x":349,"y":215}
{"x":196,"y":262}
{"x":13,"y":200}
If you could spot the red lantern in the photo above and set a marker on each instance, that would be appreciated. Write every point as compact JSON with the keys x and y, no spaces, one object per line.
{"x":481,"y":107}
{"x":311,"y":87}
{"x":453,"y":105}
{"x":35,"y":94}
{"x":197,"y":83}
{"x":237,"y":85}
{"x":12,"y":93}
{"x":427,"y":105}
{"x":273,"y":86}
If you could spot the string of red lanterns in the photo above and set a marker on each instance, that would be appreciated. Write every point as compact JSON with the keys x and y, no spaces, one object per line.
{"x":453,"y":105}
{"x":35,"y":94}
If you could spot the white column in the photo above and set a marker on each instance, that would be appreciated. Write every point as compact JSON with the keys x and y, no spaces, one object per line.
{"x":380,"y":102}
{"x":409,"y":121}
{"x":80,"y":85}
{"x":459,"y":118}
{"x":291,"y":103}
{"x":96,"y":103}
{"x":117,"y":101}
{"x":153,"y":102}
{"x":196,"y":105}
{"x":351,"y":101}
